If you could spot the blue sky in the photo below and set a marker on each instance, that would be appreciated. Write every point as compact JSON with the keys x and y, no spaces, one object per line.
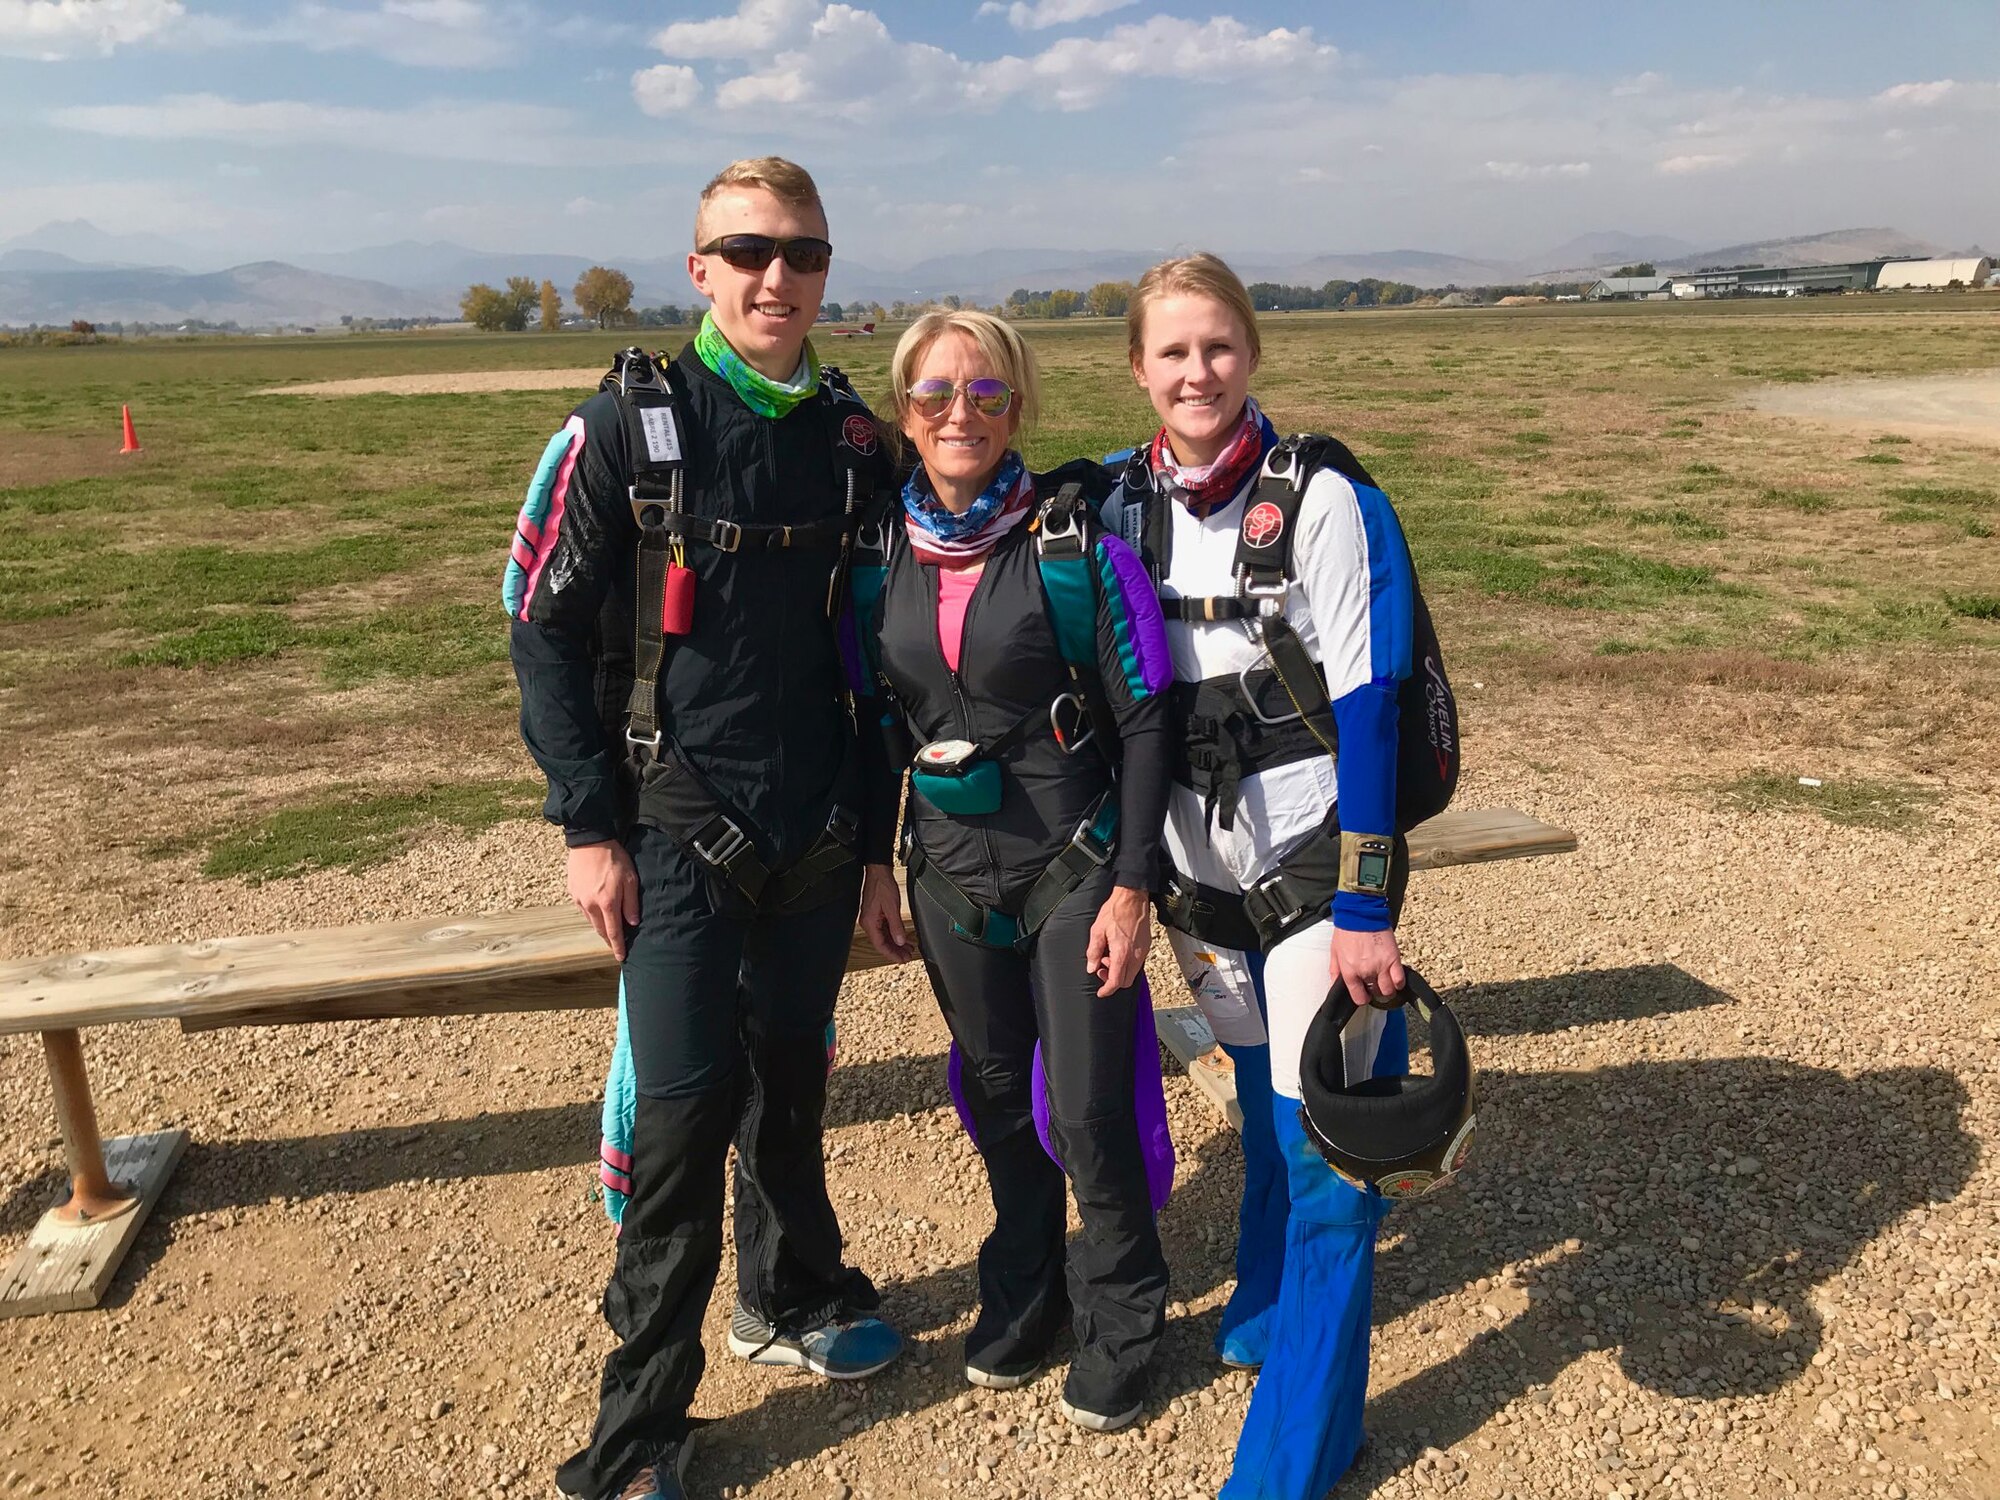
{"x":1474,"y":128}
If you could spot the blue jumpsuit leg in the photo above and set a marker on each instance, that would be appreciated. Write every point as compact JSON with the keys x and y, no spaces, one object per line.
{"x":1392,"y":1052}
{"x":1260,"y":1222}
{"x":1244,"y":1336}
{"x":1304,"y":1426}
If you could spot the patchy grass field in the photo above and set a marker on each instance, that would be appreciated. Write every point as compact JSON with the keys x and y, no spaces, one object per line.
{"x":1599,"y":520}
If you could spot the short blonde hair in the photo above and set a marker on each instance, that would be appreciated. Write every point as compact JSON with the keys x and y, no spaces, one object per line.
{"x":1198,"y":275}
{"x":1005,"y":350}
{"x":787,"y":181}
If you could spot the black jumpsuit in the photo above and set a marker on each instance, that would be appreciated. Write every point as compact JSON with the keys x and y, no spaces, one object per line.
{"x":998,"y":1001}
{"x":728,"y":1014}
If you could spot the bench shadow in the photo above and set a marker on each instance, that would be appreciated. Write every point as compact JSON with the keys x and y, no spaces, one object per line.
{"x":235,"y":1174}
{"x":1527,"y":1007}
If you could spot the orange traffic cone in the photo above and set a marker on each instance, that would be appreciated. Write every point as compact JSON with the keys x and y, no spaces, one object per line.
{"x":131,"y":437}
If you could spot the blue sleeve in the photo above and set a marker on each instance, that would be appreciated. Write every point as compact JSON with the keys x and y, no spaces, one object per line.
{"x":1365,"y":772}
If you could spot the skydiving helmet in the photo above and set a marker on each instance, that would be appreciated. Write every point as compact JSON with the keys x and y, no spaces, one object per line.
{"x":1405,"y":1136}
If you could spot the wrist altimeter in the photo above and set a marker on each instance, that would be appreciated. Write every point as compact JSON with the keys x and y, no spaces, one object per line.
{"x":1364,"y":863}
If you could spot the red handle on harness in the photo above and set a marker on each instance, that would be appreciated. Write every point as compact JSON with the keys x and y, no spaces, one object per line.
{"x":677,"y":601}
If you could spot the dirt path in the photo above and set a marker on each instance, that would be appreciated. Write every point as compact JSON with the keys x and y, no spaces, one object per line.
{"x":1959,"y":406}
{"x":464,"y":383}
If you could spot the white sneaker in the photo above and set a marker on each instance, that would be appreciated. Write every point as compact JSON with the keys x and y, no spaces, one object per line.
{"x":1098,"y":1421}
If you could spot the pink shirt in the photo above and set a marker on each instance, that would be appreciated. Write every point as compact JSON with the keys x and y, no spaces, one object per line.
{"x":955,"y":588}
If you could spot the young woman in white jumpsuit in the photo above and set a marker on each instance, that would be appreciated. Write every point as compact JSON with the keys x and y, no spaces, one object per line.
{"x":1305,"y":1258}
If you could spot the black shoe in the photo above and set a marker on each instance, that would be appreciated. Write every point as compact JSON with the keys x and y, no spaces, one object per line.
{"x":662,"y":1478}
{"x":1006,"y":1375}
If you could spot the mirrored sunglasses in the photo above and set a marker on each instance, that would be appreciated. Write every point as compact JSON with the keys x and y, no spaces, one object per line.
{"x":988,"y":395}
{"x":752,"y":252}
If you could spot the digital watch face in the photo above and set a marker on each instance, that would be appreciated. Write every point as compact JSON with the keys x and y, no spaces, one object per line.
{"x":1371,"y":872}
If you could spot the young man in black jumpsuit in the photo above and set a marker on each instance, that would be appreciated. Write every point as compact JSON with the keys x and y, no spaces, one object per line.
{"x":729,"y":1004}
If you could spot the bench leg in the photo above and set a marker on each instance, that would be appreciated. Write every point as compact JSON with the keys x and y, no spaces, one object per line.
{"x":73,"y":1253}
{"x":93,"y":1196}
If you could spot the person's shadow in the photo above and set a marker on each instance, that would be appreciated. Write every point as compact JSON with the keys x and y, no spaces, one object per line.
{"x":1704,"y":1201}
{"x":1707,"y":1199}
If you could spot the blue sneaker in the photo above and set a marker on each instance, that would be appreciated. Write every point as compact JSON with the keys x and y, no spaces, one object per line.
{"x":839,"y":1349}
{"x":1242,"y":1348}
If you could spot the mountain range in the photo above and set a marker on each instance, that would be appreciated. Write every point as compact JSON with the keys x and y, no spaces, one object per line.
{"x":73,"y":269}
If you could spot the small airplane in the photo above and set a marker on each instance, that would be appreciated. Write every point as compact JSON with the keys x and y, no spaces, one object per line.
{"x":852,"y":331}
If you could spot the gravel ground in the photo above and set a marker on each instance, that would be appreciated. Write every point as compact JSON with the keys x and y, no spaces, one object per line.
{"x":1730,"y":1229}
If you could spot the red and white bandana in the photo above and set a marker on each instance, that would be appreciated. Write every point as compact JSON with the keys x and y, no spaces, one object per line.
{"x":1202,"y":487}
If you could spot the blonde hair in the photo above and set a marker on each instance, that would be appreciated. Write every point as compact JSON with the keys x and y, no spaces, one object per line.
{"x":1198,"y":275}
{"x":1004,"y":349}
{"x":787,"y":181}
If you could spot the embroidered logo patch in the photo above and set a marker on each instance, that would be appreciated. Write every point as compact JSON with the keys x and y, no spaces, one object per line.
{"x":859,"y":434}
{"x":1263,"y":525}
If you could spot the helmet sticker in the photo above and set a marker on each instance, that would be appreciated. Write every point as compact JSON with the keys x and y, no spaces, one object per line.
{"x":1412,"y":1182}
{"x":859,"y":434}
{"x":1264,"y":525}
{"x":1461,"y":1146}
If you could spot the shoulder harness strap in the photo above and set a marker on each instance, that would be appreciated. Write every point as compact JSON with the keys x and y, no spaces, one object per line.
{"x":1264,"y":579}
{"x":651,"y":411}
{"x":1064,"y":543}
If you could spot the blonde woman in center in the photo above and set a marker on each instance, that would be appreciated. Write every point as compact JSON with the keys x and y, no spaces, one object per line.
{"x":1015,"y":659}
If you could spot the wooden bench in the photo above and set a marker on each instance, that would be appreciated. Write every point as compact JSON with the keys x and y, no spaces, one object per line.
{"x":545,"y":958}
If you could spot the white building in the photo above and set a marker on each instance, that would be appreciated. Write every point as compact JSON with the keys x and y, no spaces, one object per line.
{"x":1933,"y":274}
{"x":1630,"y":288}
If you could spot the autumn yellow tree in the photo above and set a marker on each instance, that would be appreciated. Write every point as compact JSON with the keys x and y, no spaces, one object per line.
{"x":1109,"y":299}
{"x":604,"y":294}
{"x":551,"y":308}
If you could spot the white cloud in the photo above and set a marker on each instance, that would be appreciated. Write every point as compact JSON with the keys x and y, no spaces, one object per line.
{"x":578,"y":208}
{"x":665,"y":89}
{"x":853,"y":68}
{"x":1520,"y":171}
{"x":1917,"y":93}
{"x":452,"y":130}
{"x":52,"y":30}
{"x":758,"y":28}
{"x":1046,"y":13}
{"x":416,"y":33}
{"x":1705,"y":161}
{"x":1082,"y":69}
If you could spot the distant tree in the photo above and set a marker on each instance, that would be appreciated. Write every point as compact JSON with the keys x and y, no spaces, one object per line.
{"x":484,"y":307}
{"x":604,"y":294}
{"x":831,"y":311}
{"x":1063,"y":302}
{"x":1643,"y":268}
{"x":1109,"y":299}
{"x":498,"y":311}
{"x":1019,"y":297}
{"x":667,"y":316}
{"x":551,"y":307}
{"x":82,"y":325}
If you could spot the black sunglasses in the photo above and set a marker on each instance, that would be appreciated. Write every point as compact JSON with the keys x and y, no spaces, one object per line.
{"x":753,"y":252}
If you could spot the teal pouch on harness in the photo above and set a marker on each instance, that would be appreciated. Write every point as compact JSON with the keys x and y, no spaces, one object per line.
{"x":956,"y":778}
